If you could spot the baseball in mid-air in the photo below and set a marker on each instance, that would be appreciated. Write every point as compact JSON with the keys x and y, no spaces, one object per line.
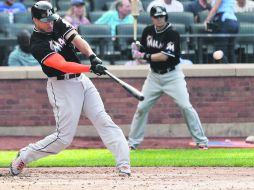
{"x":217,"y":55}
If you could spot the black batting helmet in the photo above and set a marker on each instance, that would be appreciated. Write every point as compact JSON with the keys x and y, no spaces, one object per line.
{"x":158,"y":11}
{"x":43,"y":11}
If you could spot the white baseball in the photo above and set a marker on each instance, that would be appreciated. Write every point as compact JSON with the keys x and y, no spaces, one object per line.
{"x":217,"y":55}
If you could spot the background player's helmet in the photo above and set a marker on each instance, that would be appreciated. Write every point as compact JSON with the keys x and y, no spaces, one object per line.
{"x":43,"y":11}
{"x":158,"y":11}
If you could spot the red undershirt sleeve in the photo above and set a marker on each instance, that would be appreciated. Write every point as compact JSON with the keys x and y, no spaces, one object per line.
{"x":58,"y":62}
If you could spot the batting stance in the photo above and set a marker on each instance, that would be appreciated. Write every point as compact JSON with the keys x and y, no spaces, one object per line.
{"x":160,"y":46}
{"x":53,"y":44}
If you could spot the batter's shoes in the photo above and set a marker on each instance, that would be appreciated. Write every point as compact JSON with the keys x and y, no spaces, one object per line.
{"x":132,"y":148}
{"x":124,"y":171}
{"x":202,"y":147}
{"x":17,"y":166}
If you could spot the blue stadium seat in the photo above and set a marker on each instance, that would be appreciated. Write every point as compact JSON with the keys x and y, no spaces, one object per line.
{"x":98,"y":36}
{"x":245,"y":43}
{"x":94,"y":15}
{"x":125,"y":35}
{"x":14,"y":29}
{"x":5,"y":22}
{"x":99,"y":5}
{"x":186,"y":18}
{"x":23,"y":18}
{"x":245,"y":17}
{"x":144,"y":18}
{"x":203,"y":46}
{"x":203,"y":15}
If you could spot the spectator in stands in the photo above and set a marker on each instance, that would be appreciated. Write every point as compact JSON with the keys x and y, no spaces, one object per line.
{"x":198,"y":6}
{"x":141,"y":7}
{"x":170,"y":5}
{"x":21,"y":55}
{"x":122,"y":15}
{"x":224,"y":21}
{"x":12,"y":6}
{"x":77,"y":13}
{"x":244,"y":6}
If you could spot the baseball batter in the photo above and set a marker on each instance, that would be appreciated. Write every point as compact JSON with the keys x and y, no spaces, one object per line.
{"x":70,"y":92}
{"x":160,"y":46}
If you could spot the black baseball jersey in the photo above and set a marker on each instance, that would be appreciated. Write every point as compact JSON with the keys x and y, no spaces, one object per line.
{"x":166,"y":41}
{"x":44,"y":44}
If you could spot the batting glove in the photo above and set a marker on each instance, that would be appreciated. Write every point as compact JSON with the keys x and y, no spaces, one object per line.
{"x":98,"y":69}
{"x":135,"y":46}
{"x":95,"y":60}
{"x":141,"y":55}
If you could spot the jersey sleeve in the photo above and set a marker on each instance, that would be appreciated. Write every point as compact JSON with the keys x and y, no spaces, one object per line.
{"x":172,"y":45}
{"x":63,"y":27}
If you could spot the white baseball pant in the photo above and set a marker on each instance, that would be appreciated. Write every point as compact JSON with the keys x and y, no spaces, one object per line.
{"x":174,"y":85}
{"x":69,"y":98}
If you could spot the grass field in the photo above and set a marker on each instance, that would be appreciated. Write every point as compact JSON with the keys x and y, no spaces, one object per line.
{"x":145,"y":157}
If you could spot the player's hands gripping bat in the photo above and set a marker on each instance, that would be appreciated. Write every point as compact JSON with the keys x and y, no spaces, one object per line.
{"x":137,"y":54}
{"x":98,"y":69}
{"x":96,"y":65}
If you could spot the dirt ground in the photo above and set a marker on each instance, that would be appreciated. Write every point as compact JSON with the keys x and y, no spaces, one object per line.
{"x":152,"y":178}
{"x":142,"y":178}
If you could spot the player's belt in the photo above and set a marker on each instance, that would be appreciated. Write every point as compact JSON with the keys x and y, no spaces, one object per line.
{"x":163,"y":71}
{"x":67,"y":76}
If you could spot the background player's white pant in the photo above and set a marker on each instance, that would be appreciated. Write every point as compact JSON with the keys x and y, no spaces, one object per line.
{"x":69,"y":98}
{"x":173,"y":84}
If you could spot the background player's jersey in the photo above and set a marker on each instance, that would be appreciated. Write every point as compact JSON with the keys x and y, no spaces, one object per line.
{"x":166,"y":41}
{"x":44,"y":44}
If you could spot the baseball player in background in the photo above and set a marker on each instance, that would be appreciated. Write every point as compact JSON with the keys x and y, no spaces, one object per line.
{"x":70,"y":92}
{"x":160,"y":46}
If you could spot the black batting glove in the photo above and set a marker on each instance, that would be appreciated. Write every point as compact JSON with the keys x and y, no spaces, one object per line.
{"x":147,"y":56}
{"x":98,"y":69}
{"x":94,"y":60}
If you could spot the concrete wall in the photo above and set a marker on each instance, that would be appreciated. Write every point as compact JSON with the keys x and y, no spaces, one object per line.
{"x":221,"y":94}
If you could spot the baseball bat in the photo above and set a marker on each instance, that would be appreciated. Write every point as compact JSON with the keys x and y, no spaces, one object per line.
{"x":133,"y":91}
{"x":135,"y":14}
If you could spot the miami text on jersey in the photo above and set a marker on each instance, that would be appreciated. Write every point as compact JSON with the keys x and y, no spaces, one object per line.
{"x":153,"y":43}
{"x":57,"y":46}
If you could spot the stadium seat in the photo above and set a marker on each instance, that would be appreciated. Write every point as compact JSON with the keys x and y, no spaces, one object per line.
{"x":145,"y":4}
{"x":245,"y":42}
{"x":4,"y":18}
{"x":64,"y":5}
{"x":5,"y":22}
{"x":180,"y":28}
{"x":14,"y":29}
{"x":186,"y":4}
{"x":125,"y":35}
{"x":23,"y":18}
{"x":28,"y":3}
{"x":109,"y":5}
{"x":94,"y":15}
{"x":144,"y":18}
{"x":98,"y":36}
{"x":99,"y":5}
{"x":245,"y":17}
{"x":203,"y":46}
{"x":202,"y":16}
{"x":186,"y":18}
{"x":61,"y":13}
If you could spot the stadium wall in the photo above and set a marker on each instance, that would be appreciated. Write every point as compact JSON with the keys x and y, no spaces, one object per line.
{"x":223,"y":95}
